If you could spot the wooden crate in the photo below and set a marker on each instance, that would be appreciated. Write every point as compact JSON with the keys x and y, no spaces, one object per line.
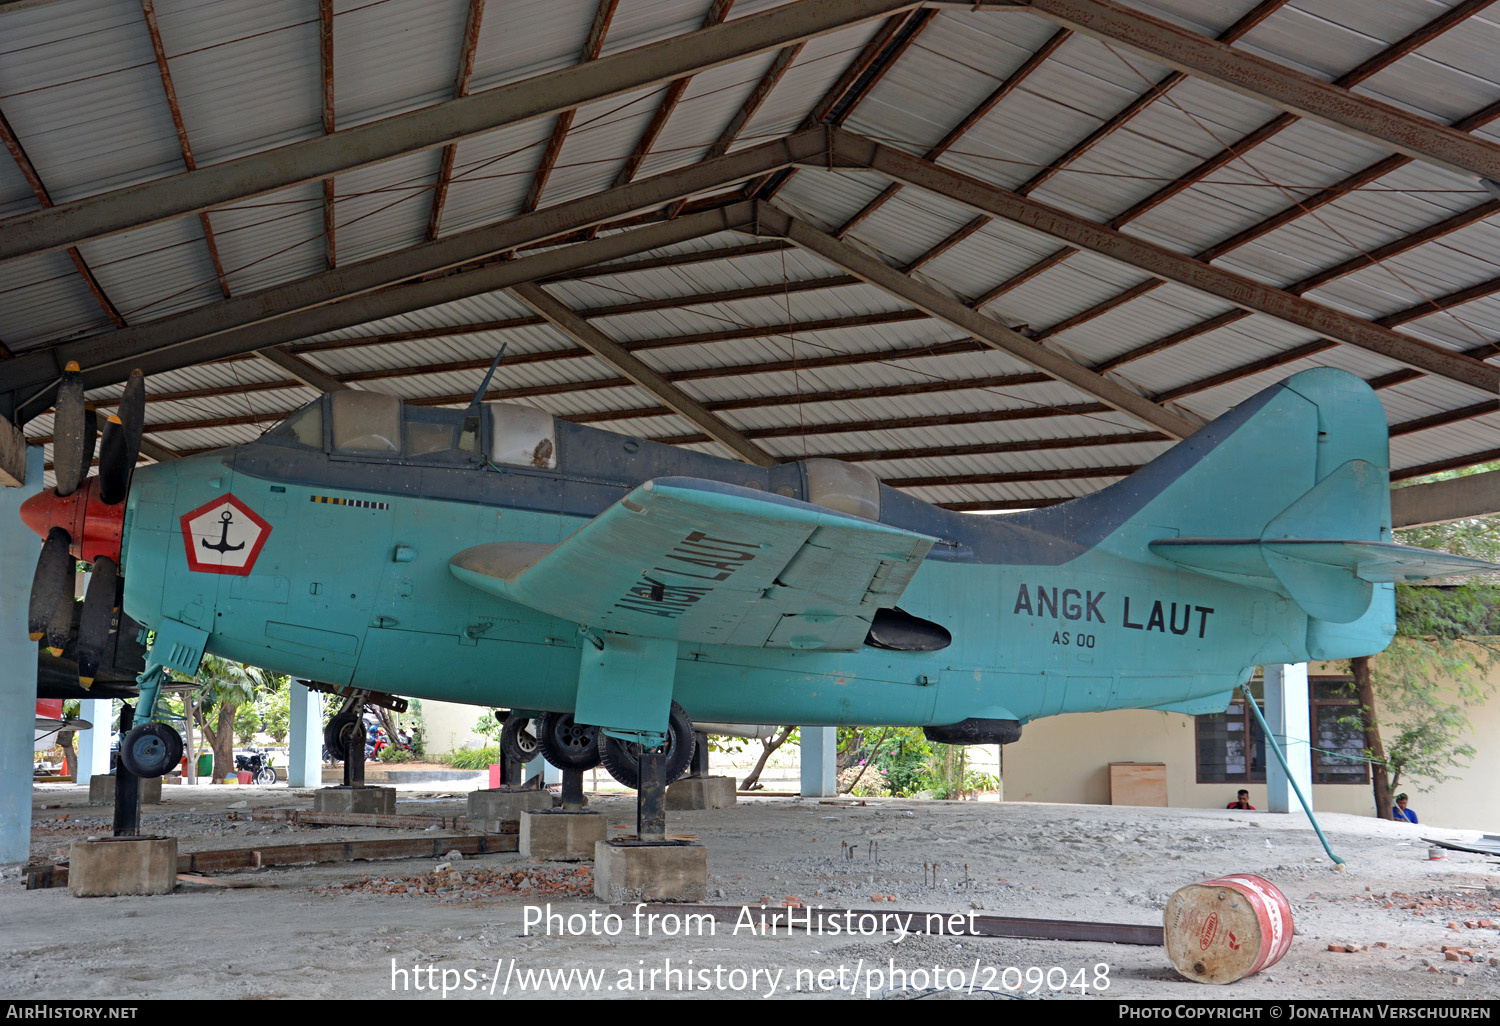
{"x":1138,"y":783}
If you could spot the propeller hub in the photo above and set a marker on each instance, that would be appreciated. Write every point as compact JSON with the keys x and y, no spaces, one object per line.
{"x":94,"y":527}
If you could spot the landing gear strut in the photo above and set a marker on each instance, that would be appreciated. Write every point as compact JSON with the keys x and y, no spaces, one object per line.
{"x":152,"y":748}
{"x":623,"y":759}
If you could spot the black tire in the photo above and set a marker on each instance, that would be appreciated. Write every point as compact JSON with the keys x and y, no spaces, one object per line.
{"x":337,"y":734}
{"x":151,"y":750}
{"x":267,"y":775}
{"x":623,"y":758}
{"x":517,"y":743}
{"x":566,"y":744}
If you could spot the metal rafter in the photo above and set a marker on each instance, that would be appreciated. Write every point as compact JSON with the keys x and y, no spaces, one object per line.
{"x":460,"y":89}
{"x":1161,"y":262}
{"x":28,"y":171}
{"x":717,"y":12}
{"x":325,"y":65}
{"x":432,"y":127}
{"x":613,"y":354}
{"x":773,"y":220}
{"x":1279,"y":86}
{"x":1005,"y":88}
{"x":106,"y":358}
{"x":149,"y":9}
{"x":1226,"y":155}
{"x":603,"y":15}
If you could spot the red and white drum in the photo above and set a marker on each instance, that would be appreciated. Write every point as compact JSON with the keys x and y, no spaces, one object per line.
{"x":1223,"y":930}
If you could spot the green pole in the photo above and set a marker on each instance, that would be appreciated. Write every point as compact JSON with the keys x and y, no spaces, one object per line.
{"x":1276,"y":749}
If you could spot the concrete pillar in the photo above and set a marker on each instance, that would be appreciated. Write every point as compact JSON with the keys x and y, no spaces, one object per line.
{"x":1287,"y":714}
{"x":306,"y":759}
{"x":819,"y":762}
{"x":93,"y":744}
{"x":18,"y":551}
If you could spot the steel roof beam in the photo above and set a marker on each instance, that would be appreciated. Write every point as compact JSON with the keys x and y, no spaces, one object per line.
{"x":654,"y":382}
{"x":330,"y":125}
{"x":107,"y":358}
{"x":1477,"y":495}
{"x":466,"y":53}
{"x":432,"y":127}
{"x":1278,"y":85}
{"x":1161,"y":262}
{"x":772,"y":220}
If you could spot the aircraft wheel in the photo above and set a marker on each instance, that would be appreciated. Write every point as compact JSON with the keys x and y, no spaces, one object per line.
{"x":340,"y":731}
{"x":518,"y":740}
{"x":566,"y":744}
{"x":151,"y":749}
{"x":623,"y":758}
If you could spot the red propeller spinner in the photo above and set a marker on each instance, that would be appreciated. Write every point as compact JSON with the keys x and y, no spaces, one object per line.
{"x":93,"y":527}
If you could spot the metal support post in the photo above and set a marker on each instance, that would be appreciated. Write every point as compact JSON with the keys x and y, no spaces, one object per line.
{"x":819,"y":762}
{"x":354,"y":760}
{"x":306,"y":762}
{"x":1290,"y":722}
{"x":699,"y":767}
{"x":651,"y":798}
{"x":127,"y":786}
{"x":572,"y":790}
{"x":18,"y":553}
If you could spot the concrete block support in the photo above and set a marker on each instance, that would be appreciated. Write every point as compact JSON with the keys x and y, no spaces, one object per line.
{"x":109,"y":866}
{"x":305,"y":768}
{"x":102,"y":789}
{"x":561,"y":835}
{"x":380,"y":801}
{"x":1286,"y":709}
{"x":701,"y":793}
{"x":650,"y":872}
{"x":496,"y":806}
{"x":819,"y":762}
{"x":18,"y":551}
{"x":93,"y":744}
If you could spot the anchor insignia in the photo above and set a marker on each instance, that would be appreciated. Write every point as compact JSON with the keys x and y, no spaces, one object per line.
{"x":222,"y":545}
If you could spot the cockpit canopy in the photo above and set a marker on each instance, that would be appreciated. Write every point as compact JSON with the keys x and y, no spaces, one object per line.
{"x":359,"y":424}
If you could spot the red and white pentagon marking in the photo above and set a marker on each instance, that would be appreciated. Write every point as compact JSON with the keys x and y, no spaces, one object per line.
{"x":224,"y":537}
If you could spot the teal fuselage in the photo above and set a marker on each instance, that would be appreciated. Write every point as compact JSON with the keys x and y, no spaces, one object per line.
{"x":1059,"y":610}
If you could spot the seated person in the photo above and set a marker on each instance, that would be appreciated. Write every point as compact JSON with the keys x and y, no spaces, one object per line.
{"x":1241,"y":801}
{"x":1400,"y":813}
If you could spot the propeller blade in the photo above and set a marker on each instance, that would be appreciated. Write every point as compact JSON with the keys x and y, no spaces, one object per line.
{"x":99,"y":607}
{"x":54,"y":573}
{"x":60,"y":627}
{"x":90,"y":443}
{"x":122,"y":442}
{"x":68,"y":425}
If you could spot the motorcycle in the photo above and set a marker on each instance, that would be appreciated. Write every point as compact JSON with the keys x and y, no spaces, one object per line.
{"x":257,"y":763}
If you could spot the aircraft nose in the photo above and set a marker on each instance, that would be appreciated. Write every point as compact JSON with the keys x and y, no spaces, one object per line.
{"x":93,"y":527}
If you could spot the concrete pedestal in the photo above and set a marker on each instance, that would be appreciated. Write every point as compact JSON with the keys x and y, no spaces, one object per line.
{"x":559,"y":835}
{"x":108,"y":866}
{"x":497,"y":805}
{"x":650,"y":872}
{"x":102,"y":790}
{"x":379,"y":801}
{"x":701,"y":793}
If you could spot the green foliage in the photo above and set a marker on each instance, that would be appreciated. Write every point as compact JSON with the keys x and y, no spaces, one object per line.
{"x":489,"y":728}
{"x":902,"y":762}
{"x":393,"y":754}
{"x":474,"y":758}
{"x":1432,"y":674}
{"x":246,"y":723}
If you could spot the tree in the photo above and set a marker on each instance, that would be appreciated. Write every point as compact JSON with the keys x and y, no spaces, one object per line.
{"x":1424,"y":684}
{"x":226,"y":685}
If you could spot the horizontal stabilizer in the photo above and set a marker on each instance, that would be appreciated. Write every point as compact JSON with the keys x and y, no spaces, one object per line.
{"x":700,"y":561}
{"x":1331,"y":580}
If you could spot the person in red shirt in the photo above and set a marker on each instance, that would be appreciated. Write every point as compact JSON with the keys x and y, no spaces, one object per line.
{"x":1241,"y":801}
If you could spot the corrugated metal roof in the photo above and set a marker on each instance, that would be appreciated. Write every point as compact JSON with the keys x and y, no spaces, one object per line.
{"x":80,"y":86}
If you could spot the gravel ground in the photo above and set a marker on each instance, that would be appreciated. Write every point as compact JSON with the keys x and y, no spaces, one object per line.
{"x":403,"y":927}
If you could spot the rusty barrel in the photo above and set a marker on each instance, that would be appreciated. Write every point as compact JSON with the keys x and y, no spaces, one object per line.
{"x":1223,"y":930}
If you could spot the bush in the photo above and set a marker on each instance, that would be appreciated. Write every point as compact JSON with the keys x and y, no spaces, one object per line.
{"x":474,"y":758}
{"x":393,"y":754}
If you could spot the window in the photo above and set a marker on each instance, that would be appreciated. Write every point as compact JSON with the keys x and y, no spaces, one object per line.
{"x":305,"y":427}
{"x":366,"y":422}
{"x":1232,"y":750}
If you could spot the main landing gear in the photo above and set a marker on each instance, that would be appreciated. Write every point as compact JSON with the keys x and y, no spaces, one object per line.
{"x":570,"y":745}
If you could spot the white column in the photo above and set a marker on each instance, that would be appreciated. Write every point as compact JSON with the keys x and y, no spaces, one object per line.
{"x":306,"y":768}
{"x":19,"y":549}
{"x":819,"y":762}
{"x":93,"y":744}
{"x":1287,"y":714}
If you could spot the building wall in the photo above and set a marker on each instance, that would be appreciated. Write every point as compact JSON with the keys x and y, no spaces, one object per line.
{"x":1066,"y":759}
{"x":449,"y":726}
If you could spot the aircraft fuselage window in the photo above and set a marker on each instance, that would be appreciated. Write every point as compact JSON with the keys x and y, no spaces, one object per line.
{"x":522,"y":436}
{"x":305,"y":427}
{"x":366,"y":422}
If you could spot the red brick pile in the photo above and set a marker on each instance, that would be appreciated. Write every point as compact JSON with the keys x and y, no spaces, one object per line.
{"x":468,"y":883}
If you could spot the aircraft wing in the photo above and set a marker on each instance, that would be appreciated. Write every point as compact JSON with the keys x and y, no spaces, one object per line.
{"x":700,"y":561}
